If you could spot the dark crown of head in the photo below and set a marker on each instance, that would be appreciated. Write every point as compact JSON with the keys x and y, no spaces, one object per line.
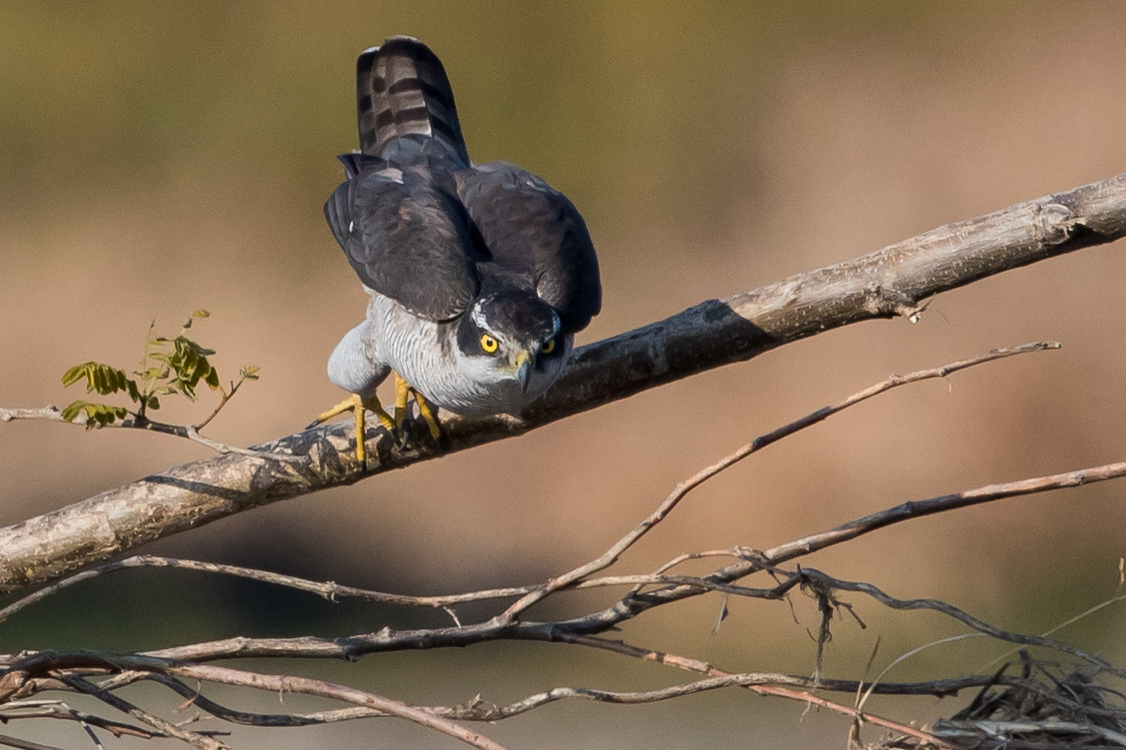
{"x":519,"y":314}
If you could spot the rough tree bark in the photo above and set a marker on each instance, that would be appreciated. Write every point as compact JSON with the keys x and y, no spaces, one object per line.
{"x":894,"y":281}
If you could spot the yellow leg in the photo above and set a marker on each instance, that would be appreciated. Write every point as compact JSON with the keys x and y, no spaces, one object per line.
{"x":427,"y":410}
{"x":361,"y":430}
{"x":402,"y":393}
{"x":357,"y":405}
{"x":385,"y":419}
{"x":347,"y":404}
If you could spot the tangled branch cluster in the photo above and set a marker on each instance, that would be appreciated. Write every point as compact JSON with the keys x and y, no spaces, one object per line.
{"x":184,"y":669}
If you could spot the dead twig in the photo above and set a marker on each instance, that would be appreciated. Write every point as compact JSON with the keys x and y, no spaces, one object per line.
{"x":41,"y":709}
{"x":779,"y":687}
{"x":332,"y":591}
{"x":200,"y":741}
{"x":289,"y":684}
{"x":961,"y":616}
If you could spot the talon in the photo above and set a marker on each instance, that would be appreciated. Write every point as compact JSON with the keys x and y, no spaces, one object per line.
{"x":358,"y":406}
{"x":403,"y":391}
{"x":427,"y":410}
{"x":346,"y":405}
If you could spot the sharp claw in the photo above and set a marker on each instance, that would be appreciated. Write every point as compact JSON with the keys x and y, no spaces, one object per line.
{"x":357,"y":405}
{"x":426,"y":410}
{"x":395,"y":425}
{"x":347,"y":404}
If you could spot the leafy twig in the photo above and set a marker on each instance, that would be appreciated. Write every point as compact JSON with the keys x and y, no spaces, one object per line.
{"x":188,"y":432}
{"x":169,"y":366}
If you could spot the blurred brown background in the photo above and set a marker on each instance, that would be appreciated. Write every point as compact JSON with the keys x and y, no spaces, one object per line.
{"x":157,"y":158}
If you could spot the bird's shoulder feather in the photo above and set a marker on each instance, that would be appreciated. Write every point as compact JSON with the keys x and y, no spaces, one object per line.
{"x":405,"y":236}
{"x":534,"y":232}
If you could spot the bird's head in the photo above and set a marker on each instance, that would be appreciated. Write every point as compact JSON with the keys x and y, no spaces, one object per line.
{"x":514,"y":336}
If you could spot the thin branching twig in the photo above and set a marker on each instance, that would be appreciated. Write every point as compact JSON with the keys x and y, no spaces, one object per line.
{"x":681,"y":490}
{"x":140,"y":422}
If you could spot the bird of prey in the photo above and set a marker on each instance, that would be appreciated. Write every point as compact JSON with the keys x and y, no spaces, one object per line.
{"x":479,"y":275}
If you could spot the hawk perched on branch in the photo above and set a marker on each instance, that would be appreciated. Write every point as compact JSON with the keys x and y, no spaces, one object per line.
{"x":479,"y":275}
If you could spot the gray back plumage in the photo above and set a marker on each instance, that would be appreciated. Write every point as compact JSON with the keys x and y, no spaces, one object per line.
{"x":424,"y":228}
{"x":537,"y":239}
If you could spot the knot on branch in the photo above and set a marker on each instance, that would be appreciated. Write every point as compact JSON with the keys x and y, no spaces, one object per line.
{"x":1063,"y":223}
{"x":11,"y":683}
{"x":888,"y":302}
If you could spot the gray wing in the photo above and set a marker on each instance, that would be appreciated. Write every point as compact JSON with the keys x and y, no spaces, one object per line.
{"x":536,"y":236}
{"x":405,"y":238}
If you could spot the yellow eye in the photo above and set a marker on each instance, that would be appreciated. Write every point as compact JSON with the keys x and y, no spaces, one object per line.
{"x":488,"y":343}
{"x":548,"y":348}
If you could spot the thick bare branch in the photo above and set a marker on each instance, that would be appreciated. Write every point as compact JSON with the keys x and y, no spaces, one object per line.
{"x":887,"y":283}
{"x":531,"y":594}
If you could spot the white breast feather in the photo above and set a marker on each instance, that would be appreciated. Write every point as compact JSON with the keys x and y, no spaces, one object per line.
{"x":458,"y":383}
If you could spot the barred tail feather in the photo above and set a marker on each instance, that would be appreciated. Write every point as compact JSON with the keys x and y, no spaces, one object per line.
{"x":402,"y":89}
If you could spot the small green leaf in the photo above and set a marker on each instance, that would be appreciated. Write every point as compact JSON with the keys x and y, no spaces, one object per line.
{"x":196,"y":314}
{"x":188,"y":344}
{"x":76,"y":373}
{"x":96,"y":380}
{"x":97,"y":415}
{"x":100,"y":378}
{"x":249,"y":372}
{"x":170,"y":366}
{"x":151,"y":373}
{"x":70,"y":412}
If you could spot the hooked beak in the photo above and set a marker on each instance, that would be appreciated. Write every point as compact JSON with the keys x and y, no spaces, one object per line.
{"x":522,"y":368}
